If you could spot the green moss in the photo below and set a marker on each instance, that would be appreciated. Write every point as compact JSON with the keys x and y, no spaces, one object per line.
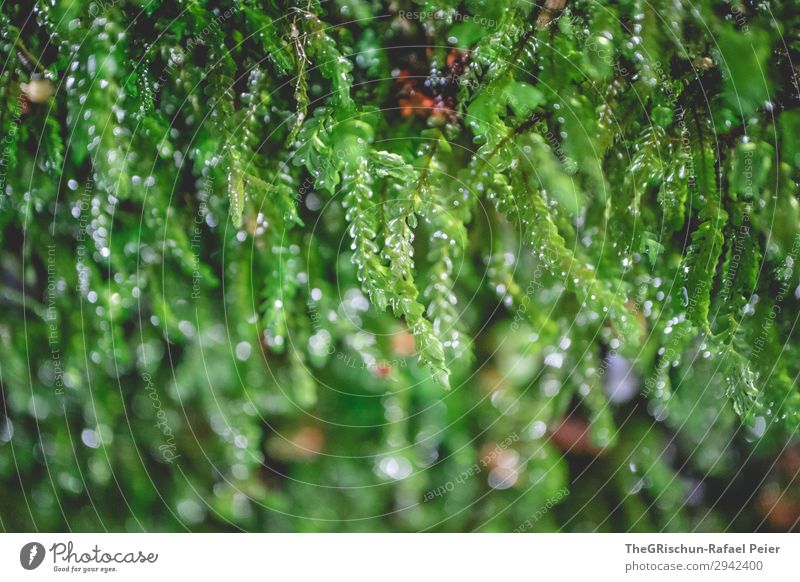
{"x":296,"y":267}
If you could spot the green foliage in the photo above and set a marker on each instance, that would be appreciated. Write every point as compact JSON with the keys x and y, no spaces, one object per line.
{"x":296,"y":266}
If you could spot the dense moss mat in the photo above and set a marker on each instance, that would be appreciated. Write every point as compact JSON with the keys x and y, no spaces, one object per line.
{"x":391,"y":266}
